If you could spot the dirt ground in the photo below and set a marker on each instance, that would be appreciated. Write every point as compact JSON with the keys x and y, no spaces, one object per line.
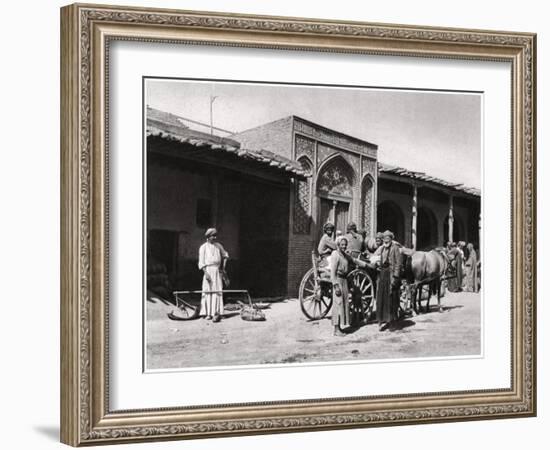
{"x":287,"y":336}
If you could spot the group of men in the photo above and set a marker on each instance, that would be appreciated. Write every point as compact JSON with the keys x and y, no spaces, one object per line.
{"x":341,"y":253}
{"x":466,"y":267}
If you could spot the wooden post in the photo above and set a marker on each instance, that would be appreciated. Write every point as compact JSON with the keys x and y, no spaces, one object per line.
{"x":414,"y":216}
{"x":451,"y":219}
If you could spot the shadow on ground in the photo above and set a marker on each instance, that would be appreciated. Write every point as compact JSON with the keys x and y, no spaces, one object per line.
{"x":450,"y":308}
{"x":401,"y":324}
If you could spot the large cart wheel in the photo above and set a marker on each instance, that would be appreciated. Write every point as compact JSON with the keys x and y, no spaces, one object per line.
{"x":362,"y":293}
{"x":315,"y":296}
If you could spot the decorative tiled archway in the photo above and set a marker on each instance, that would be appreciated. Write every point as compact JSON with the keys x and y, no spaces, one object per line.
{"x":336,"y":189}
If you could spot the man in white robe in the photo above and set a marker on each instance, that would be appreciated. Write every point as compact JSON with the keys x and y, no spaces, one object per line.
{"x":212,"y":260}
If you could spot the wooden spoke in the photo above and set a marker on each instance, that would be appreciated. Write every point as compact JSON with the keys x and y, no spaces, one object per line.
{"x":314,"y":303}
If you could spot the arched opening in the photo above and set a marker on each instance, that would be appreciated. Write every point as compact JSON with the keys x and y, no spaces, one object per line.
{"x":335,"y":189}
{"x":427,"y":237}
{"x":458,"y":229}
{"x":367,"y":194}
{"x":390,"y":217}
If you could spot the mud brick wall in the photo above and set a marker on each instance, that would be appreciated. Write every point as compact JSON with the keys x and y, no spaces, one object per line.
{"x":274,"y":136}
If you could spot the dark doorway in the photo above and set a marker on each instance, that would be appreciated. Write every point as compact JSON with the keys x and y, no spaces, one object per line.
{"x":162,"y":248}
{"x":325,"y":215}
{"x":458,"y":230}
{"x":334,"y":211}
{"x":264,"y":238}
{"x":335,"y":188}
{"x":341,"y":213}
{"x":390,"y":217}
{"x":161,"y":262}
{"x":427,"y":237}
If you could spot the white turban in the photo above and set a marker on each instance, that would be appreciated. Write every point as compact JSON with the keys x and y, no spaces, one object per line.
{"x":210,"y":232}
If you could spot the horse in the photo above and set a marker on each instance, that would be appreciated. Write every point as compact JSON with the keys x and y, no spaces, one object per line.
{"x":424,"y":268}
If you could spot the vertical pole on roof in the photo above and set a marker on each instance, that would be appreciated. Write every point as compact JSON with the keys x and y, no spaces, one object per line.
{"x":212,"y":98}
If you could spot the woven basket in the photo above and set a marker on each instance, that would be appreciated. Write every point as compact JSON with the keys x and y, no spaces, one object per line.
{"x":252,"y":315}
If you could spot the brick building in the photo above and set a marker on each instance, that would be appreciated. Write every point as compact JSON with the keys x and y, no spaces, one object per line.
{"x":342,"y":186}
{"x":195,"y":181}
{"x":270,"y":189}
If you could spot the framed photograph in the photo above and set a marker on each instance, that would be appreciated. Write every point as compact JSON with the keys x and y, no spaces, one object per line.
{"x":276,"y":224}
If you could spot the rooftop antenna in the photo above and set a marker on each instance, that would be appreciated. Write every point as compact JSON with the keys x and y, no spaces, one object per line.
{"x":212,"y":98}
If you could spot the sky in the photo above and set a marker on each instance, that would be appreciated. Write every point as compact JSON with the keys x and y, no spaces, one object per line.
{"x":438,"y":133}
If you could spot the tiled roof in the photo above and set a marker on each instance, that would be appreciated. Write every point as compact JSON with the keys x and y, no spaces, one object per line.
{"x":402,"y":172}
{"x":168,"y":126}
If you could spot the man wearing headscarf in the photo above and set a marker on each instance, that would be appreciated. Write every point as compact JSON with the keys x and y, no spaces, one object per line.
{"x":342,"y":263}
{"x":379,"y":239}
{"x":326,"y":243}
{"x":471,"y":282}
{"x":374,"y":243}
{"x":454,"y":284}
{"x":389,"y":281}
{"x":212,"y":261}
{"x":355,"y":240}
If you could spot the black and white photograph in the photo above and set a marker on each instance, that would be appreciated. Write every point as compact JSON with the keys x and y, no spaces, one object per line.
{"x":296,"y":224}
{"x":275,"y":225}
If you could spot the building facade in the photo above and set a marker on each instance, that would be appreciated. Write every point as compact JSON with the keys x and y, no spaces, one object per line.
{"x":341,"y":188}
{"x":196,"y":181}
{"x":269,"y":190}
{"x":425,"y":212}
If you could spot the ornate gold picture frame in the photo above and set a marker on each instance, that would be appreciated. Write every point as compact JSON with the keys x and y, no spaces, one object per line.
{"x":87,"y":32}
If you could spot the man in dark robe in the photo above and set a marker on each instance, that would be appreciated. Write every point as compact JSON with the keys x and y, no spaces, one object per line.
{"x":454,"y":284}
{"x":389,"y":282}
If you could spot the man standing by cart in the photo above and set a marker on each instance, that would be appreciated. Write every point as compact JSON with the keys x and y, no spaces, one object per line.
{"x":212,"y":261}
{"x":341,"y":264}
{"x":389,"y":281}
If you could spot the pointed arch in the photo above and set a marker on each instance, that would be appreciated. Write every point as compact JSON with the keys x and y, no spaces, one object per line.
{"x":335,"y":187}
{"x":336,"y":178}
